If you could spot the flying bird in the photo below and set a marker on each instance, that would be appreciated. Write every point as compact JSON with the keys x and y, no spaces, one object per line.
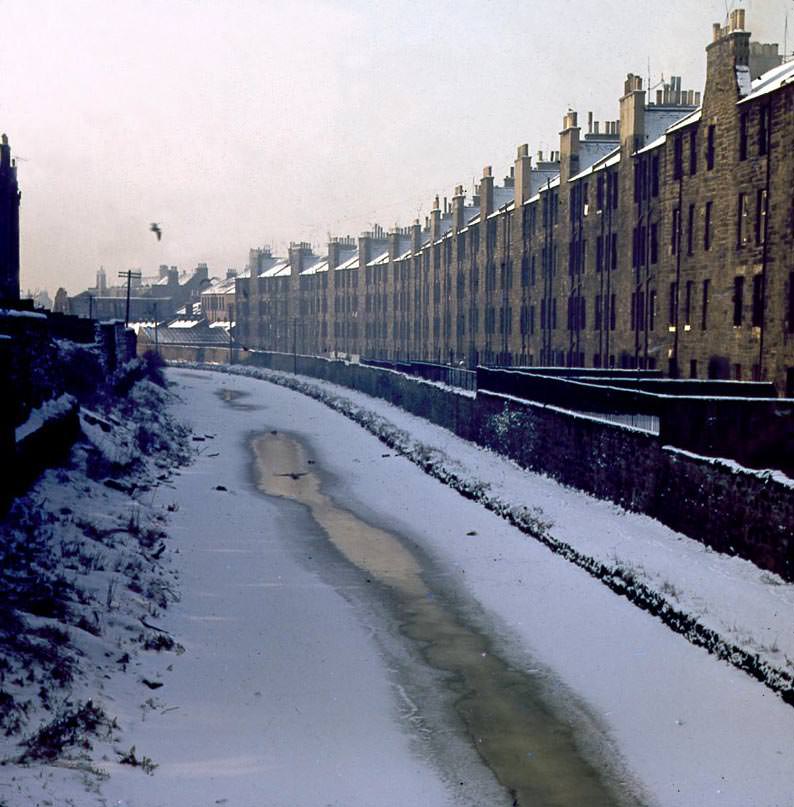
{"x":155,"y":228}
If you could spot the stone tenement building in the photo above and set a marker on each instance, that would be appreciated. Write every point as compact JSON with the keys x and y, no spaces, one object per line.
{"x":664,"y":239}
{"x":9,"y":226}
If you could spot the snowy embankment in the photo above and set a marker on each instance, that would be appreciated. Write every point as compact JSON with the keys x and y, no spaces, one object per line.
{"x":84,"y":579}
{"x":738,"y":612}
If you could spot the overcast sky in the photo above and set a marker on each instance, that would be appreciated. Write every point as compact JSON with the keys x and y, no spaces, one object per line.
{"x":237,"y":123}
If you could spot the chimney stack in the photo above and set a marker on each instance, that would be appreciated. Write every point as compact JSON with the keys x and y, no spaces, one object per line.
{"x":522,"y":173}
{"x":458,"y":202}
{"x":486,"y":193}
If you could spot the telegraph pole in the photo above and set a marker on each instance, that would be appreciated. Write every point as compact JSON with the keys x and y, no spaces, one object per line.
{"x":156,"y":342}
{"x":295,"y":345}
{"x":129,"y":274}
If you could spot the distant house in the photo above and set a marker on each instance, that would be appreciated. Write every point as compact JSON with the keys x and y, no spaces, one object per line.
{"x":218,"y":299}
{"x":151,"y":298}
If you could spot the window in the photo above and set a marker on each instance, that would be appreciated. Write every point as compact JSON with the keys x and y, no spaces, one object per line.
{"x":688,"y":303}
{"x":599,"y":253}
{"x":791,"y":302}
{"x":758,"y":300}
{"x":693,"y":368}
{"x":652,"y":309}
{"x":654,"y":243}
{"x":707,"y":227}
{"x":743,"y":210}
{"x":674,"y":233}
{"x":600,"y":192}
{"x":690,"y":232}
{"x":613,"y":260}
{"x":597,"y":313}
{"x":763,"y":130}
{"x":655,"y":175}
{"x":704,"y":311}
{"x":678,"y":156}
{"x":738,"y":299}
{"x":673,"y":306}
{"x":743,"y":136}
{"x":710,"y":137}
{"x":633,"y":312}
{"x":693,"y":152}
{"x":760,"y":216}
{"x":612,"y":313}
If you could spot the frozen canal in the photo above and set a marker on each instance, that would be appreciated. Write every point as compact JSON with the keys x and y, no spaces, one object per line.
{"x":358,"y":634}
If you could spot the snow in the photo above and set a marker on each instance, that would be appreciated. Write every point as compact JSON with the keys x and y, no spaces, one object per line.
{"x":687,"y":120}
{"x":682,"y":720}
{"x":350,"y":263}
{"x":50,"y":410}
{"x":291,"y":691}
{"x":774,"y":79}
{"x":743,"y":80}
{"x":12,"y":312}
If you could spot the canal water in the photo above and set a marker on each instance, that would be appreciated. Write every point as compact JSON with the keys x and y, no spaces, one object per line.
{"x":531,"y":751}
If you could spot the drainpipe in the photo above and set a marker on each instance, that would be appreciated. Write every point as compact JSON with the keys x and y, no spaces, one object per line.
{"x":678,"y":271}
{"x":765,"y":253}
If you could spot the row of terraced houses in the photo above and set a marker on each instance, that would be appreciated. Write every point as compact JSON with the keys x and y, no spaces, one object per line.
{"x":663,"y":239}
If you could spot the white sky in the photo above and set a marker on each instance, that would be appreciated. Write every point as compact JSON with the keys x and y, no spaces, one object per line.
{"x":236,"y":123}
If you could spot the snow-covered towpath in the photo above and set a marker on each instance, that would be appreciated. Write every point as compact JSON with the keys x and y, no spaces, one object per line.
{"x":296,"y":689}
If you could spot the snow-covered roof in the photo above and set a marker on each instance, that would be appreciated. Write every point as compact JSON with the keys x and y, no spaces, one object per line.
{"x":593,"y":151}
{"x":380,"y":259}
{"x":203,"y":335}
{"x":224,"y":286}
{"x":318,"y":266}
{"x":278,"y":269}
{"x":182,"y":312}
{"x":654,"y":144}
{"x":350,"y":263}
{"x":502,"y":195}
{"x":772,"y":80}
{"x":611,"y":158}
{"x":693,"y":117}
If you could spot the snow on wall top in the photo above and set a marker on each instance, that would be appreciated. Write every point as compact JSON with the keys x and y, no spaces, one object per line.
{"x":12,"y":312}
{"x":50,"y":410}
